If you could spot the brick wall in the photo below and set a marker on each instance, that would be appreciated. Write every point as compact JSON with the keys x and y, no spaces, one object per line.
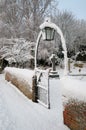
{"x":21,"y":84}
{"x":75,"y":115}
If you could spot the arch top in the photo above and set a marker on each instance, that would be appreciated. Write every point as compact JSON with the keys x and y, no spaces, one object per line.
{"x":49,"y":24}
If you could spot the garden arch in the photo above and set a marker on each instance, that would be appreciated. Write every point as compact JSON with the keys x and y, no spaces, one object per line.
{"x":47,"y":23}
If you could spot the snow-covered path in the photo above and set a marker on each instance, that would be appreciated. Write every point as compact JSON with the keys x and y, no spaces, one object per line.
{"x":19,"y":113}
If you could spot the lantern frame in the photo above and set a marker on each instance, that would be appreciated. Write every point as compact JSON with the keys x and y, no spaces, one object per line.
{"x":48,"y":33}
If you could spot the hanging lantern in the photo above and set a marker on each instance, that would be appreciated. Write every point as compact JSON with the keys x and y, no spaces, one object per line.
{"x":48,"y":33}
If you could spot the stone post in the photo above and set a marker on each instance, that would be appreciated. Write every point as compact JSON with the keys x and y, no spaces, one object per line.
{"x":34,"y":89}
{"x":69,"y":65}
{"x":53,"y":73}
{"x":53,"y":59}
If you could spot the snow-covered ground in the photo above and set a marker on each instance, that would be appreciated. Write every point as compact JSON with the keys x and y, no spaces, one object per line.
{"x":74,"y":85}
{"x":77,"y":70}
{"x":74,"y":88}
{"x":19,"y":113}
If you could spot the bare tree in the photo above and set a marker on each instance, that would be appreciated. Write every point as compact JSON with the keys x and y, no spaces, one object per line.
{"x":22,"y":18}
{"x":69,"y":26}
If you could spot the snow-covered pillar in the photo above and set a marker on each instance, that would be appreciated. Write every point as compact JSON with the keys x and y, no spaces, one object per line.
{"x":56,"y":99}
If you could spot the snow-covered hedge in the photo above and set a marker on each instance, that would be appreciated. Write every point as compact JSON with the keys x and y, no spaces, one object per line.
{"x":81,"y":56}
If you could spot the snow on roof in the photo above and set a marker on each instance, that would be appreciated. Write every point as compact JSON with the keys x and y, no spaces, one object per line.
{"x":73,"y":88}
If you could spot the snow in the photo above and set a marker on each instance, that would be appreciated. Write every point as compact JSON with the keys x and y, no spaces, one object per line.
{"x":16,"y":50}
{"x":22,"y":74}
{"x":19,"y":113}
{"x":48,"y":24}
{"x":74,"y":88}
{"x":75,"y":70}
{"x":11,"y":60}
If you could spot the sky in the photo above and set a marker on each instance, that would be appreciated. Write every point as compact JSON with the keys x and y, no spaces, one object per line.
{"x":77,"y":7}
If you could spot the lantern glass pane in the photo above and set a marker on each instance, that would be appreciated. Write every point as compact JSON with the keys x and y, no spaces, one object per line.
{"x":48,"y":33}
{"x":52,"y":34}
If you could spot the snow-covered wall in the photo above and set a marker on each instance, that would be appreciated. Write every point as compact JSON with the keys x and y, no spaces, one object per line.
{"x":74,"y":101}
{"x":75,"y":115}
{"x":21,"y":78}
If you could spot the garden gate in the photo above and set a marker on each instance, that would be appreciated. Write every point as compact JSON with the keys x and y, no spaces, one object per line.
{"x":43,"y":87}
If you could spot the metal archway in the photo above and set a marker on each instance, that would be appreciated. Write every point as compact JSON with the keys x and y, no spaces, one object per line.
{"x":58,"y":30}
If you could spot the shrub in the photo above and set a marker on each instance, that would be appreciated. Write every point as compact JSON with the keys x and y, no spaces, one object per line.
{"x":80,"y":65}
{"x":81,"y":56}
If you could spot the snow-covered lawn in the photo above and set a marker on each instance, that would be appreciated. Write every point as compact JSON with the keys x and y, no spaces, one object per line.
{"x":74,"y":88}
{"x":19,"y":113}
{"x":77,"y":70}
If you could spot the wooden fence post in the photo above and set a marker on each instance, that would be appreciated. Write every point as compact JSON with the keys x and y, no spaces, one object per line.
{"x":34,"y":89}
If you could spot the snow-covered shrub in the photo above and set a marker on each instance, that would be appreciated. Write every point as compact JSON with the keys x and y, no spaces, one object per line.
{"x":81,"y":56}
{"x":3,"y":64}
{"x":17,"y":52}
{"x":60,"y":54}
{"x":70,"y":53}
{"x":44,"y":54}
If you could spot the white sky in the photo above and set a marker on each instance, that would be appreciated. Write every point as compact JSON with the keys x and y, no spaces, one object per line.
{"x":77,"y":7}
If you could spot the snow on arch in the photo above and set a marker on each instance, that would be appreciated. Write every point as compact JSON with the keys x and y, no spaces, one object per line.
{"x":48,"y":23}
